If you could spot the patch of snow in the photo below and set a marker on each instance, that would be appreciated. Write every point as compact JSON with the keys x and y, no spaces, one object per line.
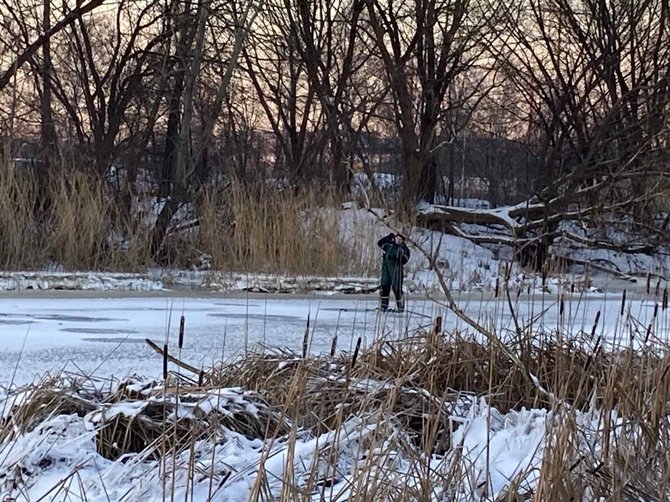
{"x":469,"y":202}
{"x":106,"y":336}
{"x":85,"y":281}
{"x":632,"y":264}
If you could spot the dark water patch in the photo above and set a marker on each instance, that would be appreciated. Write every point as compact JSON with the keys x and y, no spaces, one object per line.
{"x":138,"y":341}
{"x":99,"y":331}
{"x":257,"y":317}
{"x":240,"y":303}
{"x":14,"y":322}
{"x":75,"y":318}
{"x":176,"y":306}
{"x":348,"y":309}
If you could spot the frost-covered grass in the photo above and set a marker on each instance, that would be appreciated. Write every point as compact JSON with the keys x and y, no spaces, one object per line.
{"x":435,"y":412}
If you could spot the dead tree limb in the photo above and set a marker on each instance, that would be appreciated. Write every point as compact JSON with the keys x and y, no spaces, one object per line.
{"x":30,"y":51}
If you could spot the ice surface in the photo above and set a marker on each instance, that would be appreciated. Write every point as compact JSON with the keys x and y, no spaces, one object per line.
{"x":106,"y":336}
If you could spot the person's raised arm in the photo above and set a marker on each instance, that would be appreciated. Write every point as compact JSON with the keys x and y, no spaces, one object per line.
{"x":387,"y":239}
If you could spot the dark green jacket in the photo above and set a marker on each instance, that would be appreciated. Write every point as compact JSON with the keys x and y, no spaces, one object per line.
{"x":395,"y":257}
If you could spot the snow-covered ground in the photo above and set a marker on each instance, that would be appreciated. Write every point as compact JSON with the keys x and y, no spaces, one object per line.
{"x":103,"y":336}
{"x":58,"y":461}
{"x":106,"y":336}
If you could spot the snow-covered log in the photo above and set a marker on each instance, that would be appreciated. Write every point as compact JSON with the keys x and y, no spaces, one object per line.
{"x":534,"y":230}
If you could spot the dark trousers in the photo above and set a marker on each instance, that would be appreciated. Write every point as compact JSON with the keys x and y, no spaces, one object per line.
{"x":397,"y":292}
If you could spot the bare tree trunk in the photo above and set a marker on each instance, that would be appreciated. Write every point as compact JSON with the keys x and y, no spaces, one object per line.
{"x":171,"y":190}
{"x":411,"y":188}
{"x":184,"y":157}
{"x":422,"y":62}
{"x":48,"y":129}
{"x":429,"y":180}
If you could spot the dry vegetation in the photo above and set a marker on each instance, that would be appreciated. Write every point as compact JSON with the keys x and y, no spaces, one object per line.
{"x":264,"y":229}
{"x":74,"y":221}
{"x":607,"y":421}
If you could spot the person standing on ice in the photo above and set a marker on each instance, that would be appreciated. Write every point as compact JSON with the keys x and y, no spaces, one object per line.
{"x":396,"y":255}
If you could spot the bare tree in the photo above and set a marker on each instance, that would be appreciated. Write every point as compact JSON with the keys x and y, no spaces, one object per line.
{"x":329,"y":45}
{"x":182,"y":153}
{"x":103,"y":65}
{"x":26,"y":53}
{"x":424,"y":45}
{"x":243,"y":143}
{"x":277,"y":72}
{"x":48,"y":127}
{"x":593,"y":81}
{"x":593,"y":76}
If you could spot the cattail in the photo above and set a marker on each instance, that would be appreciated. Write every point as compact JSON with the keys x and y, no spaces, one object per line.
{"x":623,"y":302}
{"x":595,"y":324}
{"x":665,"y":299}
{"x":305,"y":340}
{"x":437,"y":329}
{"x":648,"y":334}
{"x":497,"y":287}
{"x":596,"y":349}
{"x":358,"y":347}
{"x":181,"y":332}
{"x":562,"y":306}
{"x":333,"y":346}
{"x":201,"y":378}
{"x":648,"y":282}
{"x":165,"y":361}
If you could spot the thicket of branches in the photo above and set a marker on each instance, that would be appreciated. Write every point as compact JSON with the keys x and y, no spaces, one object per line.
{"x":567,"y":101}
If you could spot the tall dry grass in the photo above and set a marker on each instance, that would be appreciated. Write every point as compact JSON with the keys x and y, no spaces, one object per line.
{"x":78,"y":221}
{"x":263,"y":229}
{"x":385,"y":417}
{"x":73,"y":220}
{"x":70,"y":219}
{"x":20,"y":233}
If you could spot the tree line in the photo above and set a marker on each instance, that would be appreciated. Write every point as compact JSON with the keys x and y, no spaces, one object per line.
{"x":581,"y":86}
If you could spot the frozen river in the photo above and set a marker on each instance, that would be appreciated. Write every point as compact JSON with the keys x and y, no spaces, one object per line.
{"x":103,"y":336}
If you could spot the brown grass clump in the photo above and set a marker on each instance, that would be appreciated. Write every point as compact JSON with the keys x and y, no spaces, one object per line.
{"x":264,"y":229}
{"x":19,"y":208}
{"x":70,"y":219}
{"x":421,"y":380}
{"x":78,"y":221}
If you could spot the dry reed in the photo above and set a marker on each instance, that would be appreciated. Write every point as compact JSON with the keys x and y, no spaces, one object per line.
{"x":263,"y":229}
{"x":76,"y":221}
